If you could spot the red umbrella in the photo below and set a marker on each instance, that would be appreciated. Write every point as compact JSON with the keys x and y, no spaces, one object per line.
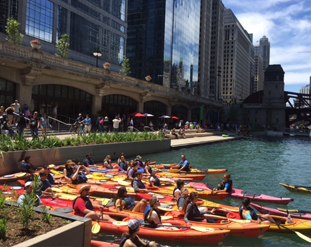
{"x":173,"y":117}
{"x":139,"y":115}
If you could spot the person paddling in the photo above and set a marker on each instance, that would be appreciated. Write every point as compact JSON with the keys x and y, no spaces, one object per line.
{"x":27,"y":198}
{"x":178,"y":189}
{"x":225,"y":186}
{"x":191,"y":210}
{"x":123,"y":202}
{"x":248,"y":213}
{"x":152,"y":216}
{"x":137,"y":184}
{"x":83,"y":206}
{"x":131,"y":239}
{"x":154,"y":180}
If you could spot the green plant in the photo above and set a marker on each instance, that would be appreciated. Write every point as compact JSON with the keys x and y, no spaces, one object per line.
{"x":25,"y":211}
{"x":3,"y":228}
{"x":126,"y":70}
{"x":14,"y":36}
{"x":46,"y":216}
{"x":63,"y":47}
{"x":2,"y":199}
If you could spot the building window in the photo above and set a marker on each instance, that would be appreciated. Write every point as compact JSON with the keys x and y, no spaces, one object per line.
{"x":7,"y":93}
{"x":118,"y":9}
{"x":39,"y":19}
{"x":61,"y":22}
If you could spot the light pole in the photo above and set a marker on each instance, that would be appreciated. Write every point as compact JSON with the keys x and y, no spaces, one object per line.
{"x":97,"y":54}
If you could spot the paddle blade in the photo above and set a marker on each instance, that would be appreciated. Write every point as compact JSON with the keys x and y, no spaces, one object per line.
{"x":96,"y":228}
{"x":120,"y":223}
{"x":22,"y":174}
{"x":202,"y":229}
{"x":304,"y":237}
{"x":56,"y":190}
{"x":174,"y":170}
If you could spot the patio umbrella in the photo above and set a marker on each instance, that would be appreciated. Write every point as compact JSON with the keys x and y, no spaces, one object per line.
{"x":173,"y":117}
{"x":164,"y":116}
{"x":147,"y":115}
{"x":139,"y":115}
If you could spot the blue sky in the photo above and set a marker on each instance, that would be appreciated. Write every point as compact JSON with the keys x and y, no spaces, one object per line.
{"x":287,"y":25}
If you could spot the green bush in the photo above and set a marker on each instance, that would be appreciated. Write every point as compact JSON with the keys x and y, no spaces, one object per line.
{"x":3,"y":228}
{"x":22,"y":143}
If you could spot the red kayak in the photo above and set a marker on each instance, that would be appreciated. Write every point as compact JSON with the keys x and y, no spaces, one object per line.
{"x":9,"y":190}
{"x":301,"y":214}
{"x":95,"y":243}
{"x":14,"y":177}
{"x":240,"y":194}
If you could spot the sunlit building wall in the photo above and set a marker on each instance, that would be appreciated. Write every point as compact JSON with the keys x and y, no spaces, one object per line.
{"x":238,"y":60}
{"x":163,"y":42}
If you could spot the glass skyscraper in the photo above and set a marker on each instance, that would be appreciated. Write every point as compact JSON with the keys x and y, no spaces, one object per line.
{"x":89,"y":23}
{"x":163,"y":41}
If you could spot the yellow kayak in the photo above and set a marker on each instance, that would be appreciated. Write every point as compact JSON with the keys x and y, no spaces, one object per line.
{"x":297,"y":188}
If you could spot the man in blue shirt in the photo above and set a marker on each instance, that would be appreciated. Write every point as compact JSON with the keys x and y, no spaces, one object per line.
{"x":88,"y":160}
{"x":185,"y":164}
{"x":87,"y":123}
{"x":225,"y":186}
{"x":45,"y":188}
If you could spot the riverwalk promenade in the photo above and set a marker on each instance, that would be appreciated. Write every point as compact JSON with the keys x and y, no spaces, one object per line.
{"x":184,"y":142}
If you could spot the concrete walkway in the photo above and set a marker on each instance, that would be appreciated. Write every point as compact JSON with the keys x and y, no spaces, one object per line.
{"x":178,"y":143}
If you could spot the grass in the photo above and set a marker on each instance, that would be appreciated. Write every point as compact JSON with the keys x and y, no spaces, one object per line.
{"x":21,"y":143}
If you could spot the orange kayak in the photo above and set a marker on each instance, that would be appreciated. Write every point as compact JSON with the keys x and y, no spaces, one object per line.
{"x":14,"y":177}
{"x":96,"y":243}
{"x":183,"y":234}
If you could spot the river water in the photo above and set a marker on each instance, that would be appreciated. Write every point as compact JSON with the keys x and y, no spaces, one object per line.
{"x":257,"y":165}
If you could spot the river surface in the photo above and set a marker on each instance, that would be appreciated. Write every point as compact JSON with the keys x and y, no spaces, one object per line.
{"x":257,"y":165}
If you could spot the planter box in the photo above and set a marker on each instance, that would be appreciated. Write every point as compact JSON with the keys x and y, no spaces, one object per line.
{"x":78,"y":233}
{"x":12,"y":160}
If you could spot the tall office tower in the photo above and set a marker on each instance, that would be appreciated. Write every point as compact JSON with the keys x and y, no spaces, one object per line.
{"x":237,"y":69}
{"x":265,"y":51}
{"x":259,"y":72}
{"x":164,"y":40}
{"x":205,"y":48}
{"x":91,"y":24}
{"x":217,"y":49}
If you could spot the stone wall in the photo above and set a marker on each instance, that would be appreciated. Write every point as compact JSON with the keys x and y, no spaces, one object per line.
{"x":10,"y":162}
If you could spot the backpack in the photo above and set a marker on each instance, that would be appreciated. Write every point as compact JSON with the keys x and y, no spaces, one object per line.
{"x":128,"y":202}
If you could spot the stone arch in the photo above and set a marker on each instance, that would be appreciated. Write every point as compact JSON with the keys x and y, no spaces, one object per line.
{"x":155,"y":107}
{"x":70,"y":100}
{"x":7,"y":92}
{"x":180,"y":111}
{"x":195,"y":114}
{"x":121,"y":103}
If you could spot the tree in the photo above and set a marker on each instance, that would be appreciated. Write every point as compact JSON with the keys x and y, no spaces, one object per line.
{"x":63,"y":47}
{"x":11,"y":28}
{"x":126,"y":70}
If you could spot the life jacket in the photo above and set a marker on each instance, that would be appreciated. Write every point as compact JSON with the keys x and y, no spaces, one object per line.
{"x":251,"y":210}
{"x":135,"y":241}
{"x":69,"y":172}
{"x":151,"y":223}
{"x":123,"y":166}
{"x":149,"y":169}
{"x":81,"y":178}
{"x":222,"y":186}
{"x":174,"y":192}
{"x":179,"y":201}
{"x":134,"y":174}
{"x":87,"y":202}
{"x":156,"y":182}
{"x":140,"y":164}
{"x":128,"y":202}
{"x":195,"y":212}
{"x":140,"y":184}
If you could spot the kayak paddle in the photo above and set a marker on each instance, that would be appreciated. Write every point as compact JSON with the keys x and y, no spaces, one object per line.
{"x":299,"y":234}
{"x":96,"y":226}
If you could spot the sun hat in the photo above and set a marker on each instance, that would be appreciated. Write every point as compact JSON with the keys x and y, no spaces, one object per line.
{"x":84,"y":187}
{"x":70,"y":162}
{"x":28,"y":183}
{"x":133,"y":224}
{"x":51,"y":166}
{"x":138,"y":157}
